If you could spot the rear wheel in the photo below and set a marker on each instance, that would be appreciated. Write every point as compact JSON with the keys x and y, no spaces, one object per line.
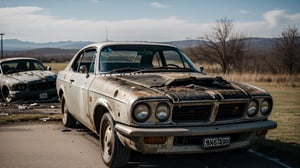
{"x":67,"y":119}
{"x":113,"y":152}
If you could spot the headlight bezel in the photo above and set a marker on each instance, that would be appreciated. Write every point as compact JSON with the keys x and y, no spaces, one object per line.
{"x":253,"y":104}
{"x":135,"y":113}
{"x":159,"y":112}
{"x":266,"y":103}
{"x":20,"y":87}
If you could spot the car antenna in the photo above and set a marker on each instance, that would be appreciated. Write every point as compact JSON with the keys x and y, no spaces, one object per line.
{"x":106,"y":34}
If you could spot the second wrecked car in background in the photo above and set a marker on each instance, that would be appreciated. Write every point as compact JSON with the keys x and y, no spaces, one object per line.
{"x":150,"y":98}
{"x":25,"y":78}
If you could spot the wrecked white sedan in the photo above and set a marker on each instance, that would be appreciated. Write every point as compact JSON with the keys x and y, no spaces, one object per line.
{"x":150,"y":98}
{"x":26,"y":79}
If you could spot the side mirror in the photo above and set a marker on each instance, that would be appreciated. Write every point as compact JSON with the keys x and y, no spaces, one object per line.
{"x":201,"y":68}
{"x":83,"y":70}
{"x":48,"y":68}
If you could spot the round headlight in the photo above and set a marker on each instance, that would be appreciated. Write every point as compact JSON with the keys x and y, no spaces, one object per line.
{"x":20,"y":87}
{"x":141,"y":112}
{"x":266,"y":107}
{"x":252,"y":108}
{"x":162,"y":112}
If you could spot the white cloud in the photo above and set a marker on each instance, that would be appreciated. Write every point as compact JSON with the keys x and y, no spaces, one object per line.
{"x":274,"y":17}
{"x":32,"y":24}
{"x":35,"y":24}
{"x":272,"y":24}
{"x":158,"y":5}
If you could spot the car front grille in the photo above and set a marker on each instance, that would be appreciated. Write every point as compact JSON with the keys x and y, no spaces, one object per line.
{"x":192,"y":113}
{"x":43,"y":85}
{"x":208,"y":113}
{"x":230,"y":111}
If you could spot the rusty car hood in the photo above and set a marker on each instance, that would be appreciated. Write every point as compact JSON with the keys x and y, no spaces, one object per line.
{"x":28,"y":76}
{"x":191,"y":86}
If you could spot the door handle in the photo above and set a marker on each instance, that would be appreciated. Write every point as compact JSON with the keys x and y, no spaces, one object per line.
{"x":72,"y":80}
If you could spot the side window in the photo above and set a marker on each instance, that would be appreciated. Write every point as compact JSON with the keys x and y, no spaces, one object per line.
{"x":76,"y":63}
{"x":87,"y":58}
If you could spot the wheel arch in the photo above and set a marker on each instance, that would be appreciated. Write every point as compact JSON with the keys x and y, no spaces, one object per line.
{"x":101,"y":107}
{"x":60,"y":94}
{"x":99,"y":111}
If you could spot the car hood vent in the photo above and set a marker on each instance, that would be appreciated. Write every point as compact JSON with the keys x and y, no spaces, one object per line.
{"x":200,"y":83}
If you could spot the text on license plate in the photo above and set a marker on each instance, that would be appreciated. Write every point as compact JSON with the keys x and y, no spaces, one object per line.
{"x":214,"y":142}
{"x":43,"y":96}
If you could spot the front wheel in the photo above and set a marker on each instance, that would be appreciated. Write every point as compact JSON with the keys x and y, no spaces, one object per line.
{"x":5,"y":95}
{"x":113,"y":152}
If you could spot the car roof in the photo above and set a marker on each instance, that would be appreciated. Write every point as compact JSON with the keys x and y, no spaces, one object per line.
{"x":17,"y":58}
{"x":103,"y":44}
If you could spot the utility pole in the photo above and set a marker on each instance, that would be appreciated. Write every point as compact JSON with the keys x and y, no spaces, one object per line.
{"x":2,"y":45}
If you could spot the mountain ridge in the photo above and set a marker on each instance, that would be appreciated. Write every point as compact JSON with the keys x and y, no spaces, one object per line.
{"x":19,"y":45}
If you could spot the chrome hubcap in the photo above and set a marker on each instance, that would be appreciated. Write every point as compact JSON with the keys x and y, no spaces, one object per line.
{"x":65,"y":115}
{"x":107,"y":143}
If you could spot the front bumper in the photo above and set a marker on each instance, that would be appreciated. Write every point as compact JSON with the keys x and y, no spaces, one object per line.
{"x":246,"y":133}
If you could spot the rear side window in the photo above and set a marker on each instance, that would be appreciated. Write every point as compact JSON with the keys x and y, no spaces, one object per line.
{"x":87,"y":58}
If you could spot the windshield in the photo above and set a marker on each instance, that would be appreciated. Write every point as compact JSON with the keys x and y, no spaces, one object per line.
{"x":130,"y":58}
{"x":20,"y":66}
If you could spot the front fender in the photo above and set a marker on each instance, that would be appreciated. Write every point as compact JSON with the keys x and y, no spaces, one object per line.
{"x":104,"y":103}
{"x":118,"y":110}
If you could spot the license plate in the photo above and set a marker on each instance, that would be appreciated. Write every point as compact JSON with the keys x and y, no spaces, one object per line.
{"x":43,"y":96}
{"x":215,"y":142}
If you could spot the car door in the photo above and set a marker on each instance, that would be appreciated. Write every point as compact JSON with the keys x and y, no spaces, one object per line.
{"x":83,"y":68}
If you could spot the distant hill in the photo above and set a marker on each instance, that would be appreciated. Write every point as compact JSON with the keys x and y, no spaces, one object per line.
{"x":185,"y":43}
{"x":18,"y":45}
{"x":43,"y":53}
{"x":65,"y":50}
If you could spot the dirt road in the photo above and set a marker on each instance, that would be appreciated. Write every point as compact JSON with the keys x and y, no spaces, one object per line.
{"x":49,"y":144}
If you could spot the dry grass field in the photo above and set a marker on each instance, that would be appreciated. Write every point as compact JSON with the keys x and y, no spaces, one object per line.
{"x":56,"y":66}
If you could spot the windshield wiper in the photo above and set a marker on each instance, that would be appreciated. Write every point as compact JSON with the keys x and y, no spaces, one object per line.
{"x":174,"y":68}
{"x":138,"y":70}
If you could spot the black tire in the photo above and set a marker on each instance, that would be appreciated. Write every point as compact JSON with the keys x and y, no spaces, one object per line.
{"x":67,"y":120}
{"x":5,"y":95}
{"x":113,"y":152}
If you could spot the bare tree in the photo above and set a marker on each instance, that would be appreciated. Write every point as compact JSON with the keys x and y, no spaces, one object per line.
{"x":287,"y":50}
{"x":225,"y":48}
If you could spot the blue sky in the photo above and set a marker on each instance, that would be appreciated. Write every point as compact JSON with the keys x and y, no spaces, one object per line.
{"x":142,"y":20}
